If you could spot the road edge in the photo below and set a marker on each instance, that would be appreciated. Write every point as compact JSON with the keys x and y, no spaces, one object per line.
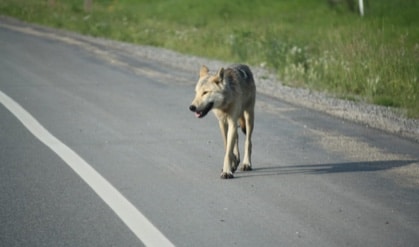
{"x":390,"y":120}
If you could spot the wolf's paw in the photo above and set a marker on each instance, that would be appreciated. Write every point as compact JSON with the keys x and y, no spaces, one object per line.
{"x":226,"y":175}
{"x":246,"y":167}
{"x":235,"y":164}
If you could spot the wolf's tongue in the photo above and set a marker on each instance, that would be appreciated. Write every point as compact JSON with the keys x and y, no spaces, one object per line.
{"x":198,"y":114}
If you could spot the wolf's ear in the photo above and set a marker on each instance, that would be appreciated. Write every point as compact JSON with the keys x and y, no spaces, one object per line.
{"x":204,"y":71}
{"x":220,"y":74}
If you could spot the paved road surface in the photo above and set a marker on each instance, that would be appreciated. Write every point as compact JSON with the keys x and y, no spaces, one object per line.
{"x":317,"y":180}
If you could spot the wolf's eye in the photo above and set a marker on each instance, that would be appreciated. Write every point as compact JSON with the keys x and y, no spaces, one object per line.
{"x":205,"y":92}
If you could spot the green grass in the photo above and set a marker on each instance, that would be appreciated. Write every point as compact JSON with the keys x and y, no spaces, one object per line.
{"x":308,"y":43}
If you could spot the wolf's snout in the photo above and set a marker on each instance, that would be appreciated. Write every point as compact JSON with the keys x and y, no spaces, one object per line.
{"x":192,"y":108}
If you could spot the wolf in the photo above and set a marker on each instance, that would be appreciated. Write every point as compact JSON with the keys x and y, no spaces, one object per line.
{"x":231,"y":95}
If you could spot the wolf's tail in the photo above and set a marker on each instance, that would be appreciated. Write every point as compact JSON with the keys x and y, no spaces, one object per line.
{"x":242,"y":124}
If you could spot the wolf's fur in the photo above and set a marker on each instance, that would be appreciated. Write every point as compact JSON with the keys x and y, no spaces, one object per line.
{"x":231,"y":94}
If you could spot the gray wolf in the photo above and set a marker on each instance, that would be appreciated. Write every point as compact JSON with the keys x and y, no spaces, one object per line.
{"x":231,"y":95}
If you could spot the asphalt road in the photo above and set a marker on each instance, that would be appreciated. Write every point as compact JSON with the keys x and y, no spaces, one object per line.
{"x":317,"y":180}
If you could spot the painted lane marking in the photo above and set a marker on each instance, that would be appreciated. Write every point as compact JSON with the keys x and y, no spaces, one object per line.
{"x":128,"y":213}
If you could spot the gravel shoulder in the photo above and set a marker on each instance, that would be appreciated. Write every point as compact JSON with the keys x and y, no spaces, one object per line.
{"x":387,"y":119}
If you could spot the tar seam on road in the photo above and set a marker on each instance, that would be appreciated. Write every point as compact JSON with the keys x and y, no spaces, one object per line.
{"x":128,"y":213}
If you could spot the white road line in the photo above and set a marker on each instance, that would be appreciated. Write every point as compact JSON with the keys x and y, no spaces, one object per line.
{"x":131,"y":216}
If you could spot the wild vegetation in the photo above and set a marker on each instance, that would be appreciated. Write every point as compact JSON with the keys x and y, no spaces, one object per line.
{"x":323,"y":45}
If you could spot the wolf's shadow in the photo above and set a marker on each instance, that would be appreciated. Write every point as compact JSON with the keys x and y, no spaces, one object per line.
{"x":363,"y":166}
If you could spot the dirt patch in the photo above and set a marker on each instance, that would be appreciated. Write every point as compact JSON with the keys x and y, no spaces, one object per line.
{"x":406,"y":174}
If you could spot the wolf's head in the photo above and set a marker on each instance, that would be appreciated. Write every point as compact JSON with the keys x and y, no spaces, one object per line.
{"x":209,"y":92}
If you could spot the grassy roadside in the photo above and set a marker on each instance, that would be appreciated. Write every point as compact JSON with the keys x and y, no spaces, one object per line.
{"x":309,"y":43}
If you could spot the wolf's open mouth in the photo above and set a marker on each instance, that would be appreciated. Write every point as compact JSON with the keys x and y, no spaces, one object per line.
{"x":201,"y":114}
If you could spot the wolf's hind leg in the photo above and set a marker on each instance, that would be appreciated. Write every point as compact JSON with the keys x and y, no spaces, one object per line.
{"x":249,"y":119}
{"x":236,"y":153}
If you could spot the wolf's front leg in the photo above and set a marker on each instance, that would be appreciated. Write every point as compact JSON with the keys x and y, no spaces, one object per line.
{"x":223,"y":129}
{"x":229,"y":158}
